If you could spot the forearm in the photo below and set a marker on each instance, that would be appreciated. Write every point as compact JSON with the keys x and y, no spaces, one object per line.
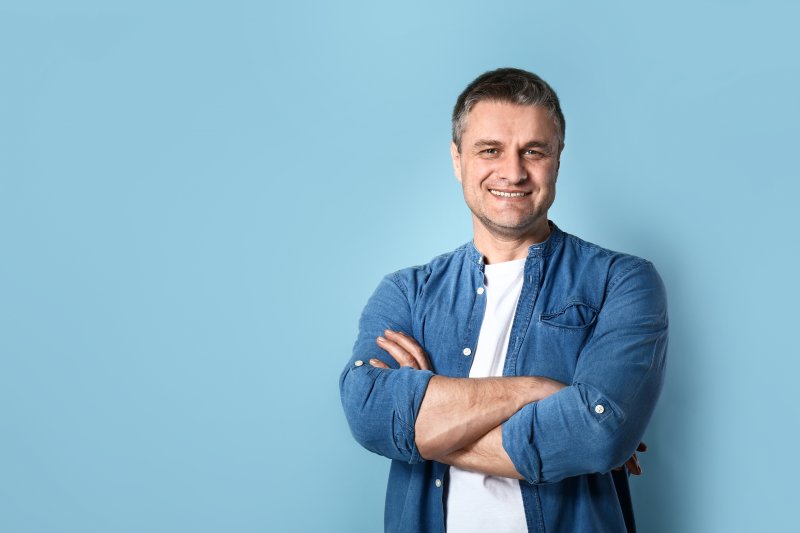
{"x":456,"y":412}
{"x":485,"y":456}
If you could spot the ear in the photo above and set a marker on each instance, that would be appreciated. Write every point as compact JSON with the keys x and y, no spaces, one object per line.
{"x":558,"y":162}
{"x":456,"y":157}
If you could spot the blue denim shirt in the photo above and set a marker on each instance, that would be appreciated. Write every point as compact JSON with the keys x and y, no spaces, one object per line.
{"x":588,"y":317}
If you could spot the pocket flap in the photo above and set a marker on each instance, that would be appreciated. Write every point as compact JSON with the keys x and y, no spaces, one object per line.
{"x":574,"y":315}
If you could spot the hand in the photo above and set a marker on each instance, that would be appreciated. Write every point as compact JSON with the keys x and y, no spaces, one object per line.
{"x":404,"y":349}
{"x":633,"y":463}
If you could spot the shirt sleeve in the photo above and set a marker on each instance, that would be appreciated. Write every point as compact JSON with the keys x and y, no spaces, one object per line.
{"x":381,"y":405}
{"x":595,"y":424}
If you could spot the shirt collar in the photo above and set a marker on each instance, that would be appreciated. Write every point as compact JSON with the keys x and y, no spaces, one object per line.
{"x":542,"y":249}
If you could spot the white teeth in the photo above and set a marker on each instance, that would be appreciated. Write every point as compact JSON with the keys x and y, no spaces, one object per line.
{"x":507,"y":194}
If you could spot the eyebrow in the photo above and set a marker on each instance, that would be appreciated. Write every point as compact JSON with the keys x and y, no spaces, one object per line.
{"x":536,"y":144}
{"x":484,"y":143}
{"x":481,"y":143}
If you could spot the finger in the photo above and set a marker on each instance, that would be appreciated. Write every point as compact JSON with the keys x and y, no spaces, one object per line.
{"x":377,"y":363}
{"x":633,"y":465}
{"x":411,"y":346}
{"x":402,"y":357}
{"x":642,"y":447}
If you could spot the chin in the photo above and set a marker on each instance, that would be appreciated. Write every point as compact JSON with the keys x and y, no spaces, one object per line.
{"x":507,"y":228}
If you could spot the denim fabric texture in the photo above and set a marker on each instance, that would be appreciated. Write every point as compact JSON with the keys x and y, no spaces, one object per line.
{"x":587,"y":316}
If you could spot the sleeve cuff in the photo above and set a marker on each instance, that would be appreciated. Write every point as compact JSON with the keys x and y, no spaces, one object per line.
{"x":409,"y":390}
{"x":519,"y":445}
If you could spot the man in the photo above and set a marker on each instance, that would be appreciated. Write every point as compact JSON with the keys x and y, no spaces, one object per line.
{"x":507,"y":379}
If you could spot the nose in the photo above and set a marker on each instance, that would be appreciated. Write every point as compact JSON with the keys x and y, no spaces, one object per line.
{"x":512,"y":168}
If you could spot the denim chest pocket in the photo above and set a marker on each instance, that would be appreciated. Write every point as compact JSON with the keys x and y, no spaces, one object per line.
{"x":574,"y":316}
{"x":554,"y":347}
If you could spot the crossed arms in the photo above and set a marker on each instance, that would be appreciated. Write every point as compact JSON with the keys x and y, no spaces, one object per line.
{"x":459,"y":419}
{"x":525,"y":427}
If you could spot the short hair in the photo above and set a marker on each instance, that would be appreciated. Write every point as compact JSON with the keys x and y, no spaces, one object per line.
{"x":510,"y":85}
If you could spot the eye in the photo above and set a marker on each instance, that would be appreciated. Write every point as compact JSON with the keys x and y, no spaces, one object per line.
{"x":533,"y":153}
{"x":490,"y":151}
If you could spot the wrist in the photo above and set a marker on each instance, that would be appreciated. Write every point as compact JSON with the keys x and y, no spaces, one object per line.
{"x":529,"y":389}
{"x":540,"y":388}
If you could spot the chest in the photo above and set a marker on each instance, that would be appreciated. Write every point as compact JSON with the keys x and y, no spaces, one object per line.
{"x":553,"y":320}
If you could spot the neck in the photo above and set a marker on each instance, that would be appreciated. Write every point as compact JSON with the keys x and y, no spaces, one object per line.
{"x":499,"y":248}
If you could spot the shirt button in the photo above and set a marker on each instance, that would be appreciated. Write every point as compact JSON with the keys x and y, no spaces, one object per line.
{"x":599,"y":409}
{"x":359,"y":362}
{"x":480,"y":290}
{"x":467,"y":352}
{"x":438,"y":483}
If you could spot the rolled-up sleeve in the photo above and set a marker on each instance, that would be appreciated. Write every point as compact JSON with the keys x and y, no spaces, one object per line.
{"x":381,"y":405}
{"x":595,"y":424}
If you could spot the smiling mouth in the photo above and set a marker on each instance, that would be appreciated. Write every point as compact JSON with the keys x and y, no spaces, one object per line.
{"x":504,"y":194}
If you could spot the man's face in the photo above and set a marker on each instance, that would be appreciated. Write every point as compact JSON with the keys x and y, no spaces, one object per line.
{"x":508,"y":166}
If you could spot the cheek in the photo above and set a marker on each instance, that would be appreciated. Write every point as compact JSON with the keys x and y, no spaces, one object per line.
{"x":476,"y":174}
{"x":546,"y":177}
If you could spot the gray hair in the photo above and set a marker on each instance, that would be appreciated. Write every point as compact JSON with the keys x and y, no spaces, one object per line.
{"x":511,"y":85}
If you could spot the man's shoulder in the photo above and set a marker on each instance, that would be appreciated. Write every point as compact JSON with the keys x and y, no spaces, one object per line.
{"x":590,"y":250}
{"x":419,"y":274}
{"x":614,"y":264}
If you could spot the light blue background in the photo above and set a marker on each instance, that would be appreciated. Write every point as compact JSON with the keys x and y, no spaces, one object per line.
{"x":196,"y":200}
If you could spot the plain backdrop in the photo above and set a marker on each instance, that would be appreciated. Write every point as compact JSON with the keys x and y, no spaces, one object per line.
{"x":197,"y":198}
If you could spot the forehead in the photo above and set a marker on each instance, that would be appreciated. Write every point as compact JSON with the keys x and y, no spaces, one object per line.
{"x":507,"y":121}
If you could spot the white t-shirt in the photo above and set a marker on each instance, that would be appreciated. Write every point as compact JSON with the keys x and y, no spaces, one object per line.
{"x":475,"y":502}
